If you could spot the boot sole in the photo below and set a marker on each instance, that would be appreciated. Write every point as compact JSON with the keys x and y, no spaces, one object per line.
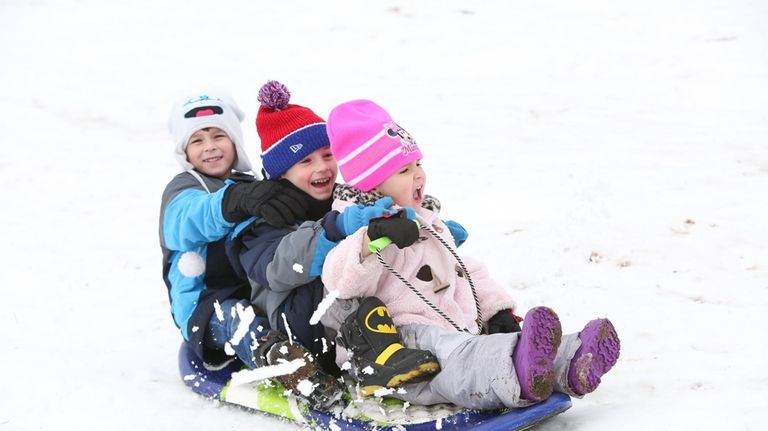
{"x":535,"y":353}
{"x":418,"y":374}
{"x":598,"y":353}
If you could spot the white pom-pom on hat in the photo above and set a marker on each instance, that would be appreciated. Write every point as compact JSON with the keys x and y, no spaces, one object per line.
{"x":191,"y":264}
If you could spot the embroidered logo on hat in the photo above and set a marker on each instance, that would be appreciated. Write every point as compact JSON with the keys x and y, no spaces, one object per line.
{"x":296,"y":147}
{"x":204,"y":111}
{"x":406,"y":140}
{"x":288,"y":132}
{"x":201,"y":98}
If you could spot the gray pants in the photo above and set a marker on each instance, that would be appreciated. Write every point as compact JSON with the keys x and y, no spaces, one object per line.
{"x":477,"y":371}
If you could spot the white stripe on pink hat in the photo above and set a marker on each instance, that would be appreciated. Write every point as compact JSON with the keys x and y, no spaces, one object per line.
{"x":361,"y":148}
{"x":378,"y":164}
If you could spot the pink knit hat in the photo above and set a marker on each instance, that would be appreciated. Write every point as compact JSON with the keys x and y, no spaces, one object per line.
{"x":368,"y":145}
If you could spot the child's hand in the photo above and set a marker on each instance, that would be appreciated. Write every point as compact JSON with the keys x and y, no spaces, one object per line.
{"x":503,"y":322}
{"x":458,"y":232}
{"x":276,"y":202}
{"x":357,"y":216}
{"x":402,"y":230}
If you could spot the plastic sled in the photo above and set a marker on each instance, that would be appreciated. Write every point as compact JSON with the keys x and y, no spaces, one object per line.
{"x":371,"y":413}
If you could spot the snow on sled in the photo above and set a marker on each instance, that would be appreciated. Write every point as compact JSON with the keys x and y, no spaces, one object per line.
{"x":371,"y":413}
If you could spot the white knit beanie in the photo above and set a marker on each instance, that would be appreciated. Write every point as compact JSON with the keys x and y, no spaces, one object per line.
{"x":202,"y":111}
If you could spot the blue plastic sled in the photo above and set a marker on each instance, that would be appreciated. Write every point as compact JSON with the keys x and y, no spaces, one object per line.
{"x":367,"y":414}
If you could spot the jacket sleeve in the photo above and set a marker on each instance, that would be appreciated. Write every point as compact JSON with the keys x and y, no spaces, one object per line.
{"x":346,"y":273}
{"x":192,"y":218}
{"x":492,"y":296}
{"x":279,"y":259}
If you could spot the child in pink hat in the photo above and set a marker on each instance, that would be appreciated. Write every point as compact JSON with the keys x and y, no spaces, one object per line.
{"x":439,"y":301}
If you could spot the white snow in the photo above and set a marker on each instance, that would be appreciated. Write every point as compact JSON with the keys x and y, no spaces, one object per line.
{"x":263,"y":373}
{"x":297,"y":267}
{"x":382,"y":392}
{"x":323,"y":306}
{"x":246,"y":315}
{"x":634,"y":132}
{"x":305,"y":387}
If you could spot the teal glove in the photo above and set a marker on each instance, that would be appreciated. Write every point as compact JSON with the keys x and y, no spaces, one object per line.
{"x":357,"y":216}
{"x":458,"y":232}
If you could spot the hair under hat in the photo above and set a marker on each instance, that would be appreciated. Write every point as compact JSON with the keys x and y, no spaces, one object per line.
{"x":202,"y":111}
{"x":368,"y":145}
{"x":288,"y":133}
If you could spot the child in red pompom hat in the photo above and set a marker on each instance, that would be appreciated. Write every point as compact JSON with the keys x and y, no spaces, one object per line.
{"x":283,"y":264}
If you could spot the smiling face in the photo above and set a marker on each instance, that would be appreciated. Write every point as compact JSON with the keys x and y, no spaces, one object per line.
{"x":211,"y":152}
{"x":315,"y":174}
{"x":406,"y":186}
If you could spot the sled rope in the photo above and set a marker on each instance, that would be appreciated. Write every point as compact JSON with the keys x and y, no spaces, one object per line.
{"x":437,"y":310}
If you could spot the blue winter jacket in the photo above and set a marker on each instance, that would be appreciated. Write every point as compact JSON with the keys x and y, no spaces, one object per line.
{"x":193,"y":232}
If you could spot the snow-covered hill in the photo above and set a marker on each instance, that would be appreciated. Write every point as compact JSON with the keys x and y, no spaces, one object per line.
{"x":608,"y":158}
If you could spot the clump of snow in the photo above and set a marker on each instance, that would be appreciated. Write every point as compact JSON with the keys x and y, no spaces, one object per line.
{"x":346,"y":366}
{"x":323,"y":306}
{"x":219,"y":312}
{"x":246,"y":315}
{"x":189,"y":377}
{"x":305,"y":387}
{"x":367,"y":370}
{"x":228,"y":349}
{"x":383,"y":392}
{"x":288,"y":332}
{"x":297,"y":267}
{"x":268,"y":372}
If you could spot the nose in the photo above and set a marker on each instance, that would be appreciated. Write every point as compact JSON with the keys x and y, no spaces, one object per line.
{"x":418,"y":173}
{"x":326,"y":165}
{"x":208,"y":144}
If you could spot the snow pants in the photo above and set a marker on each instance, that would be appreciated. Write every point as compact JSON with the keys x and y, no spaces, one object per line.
{"x":477,"y":370}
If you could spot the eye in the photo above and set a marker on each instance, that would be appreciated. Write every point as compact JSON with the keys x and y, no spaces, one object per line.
{"x":404,"y":171}
{"x":328,"y":155}
{"x":195,"y":141}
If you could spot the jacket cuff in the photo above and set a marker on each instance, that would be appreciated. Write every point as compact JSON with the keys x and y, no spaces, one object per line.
{"x":329,"y":224}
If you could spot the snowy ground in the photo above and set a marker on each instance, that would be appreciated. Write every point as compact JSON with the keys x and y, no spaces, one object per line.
{"x":608,"y":158}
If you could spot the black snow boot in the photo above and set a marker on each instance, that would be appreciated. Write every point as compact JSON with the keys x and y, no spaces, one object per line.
{"x":274,"y":349}
{"x":378,"y":357}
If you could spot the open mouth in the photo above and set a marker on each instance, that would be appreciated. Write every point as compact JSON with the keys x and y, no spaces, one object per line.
{"x":418,"y":193}
{"x":213,"y":159}
{"x":322,"y":182}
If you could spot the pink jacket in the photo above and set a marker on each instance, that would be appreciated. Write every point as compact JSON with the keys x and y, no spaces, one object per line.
{"x":346,"y":273}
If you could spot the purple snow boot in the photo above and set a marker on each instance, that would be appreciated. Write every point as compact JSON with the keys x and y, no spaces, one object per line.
{"x":598,"y":352}
{"x":535,"y":350}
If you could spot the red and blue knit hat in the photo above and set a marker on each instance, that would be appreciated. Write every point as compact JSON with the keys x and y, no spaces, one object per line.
{"x":368,"y":145}
{"x":288,"y":133}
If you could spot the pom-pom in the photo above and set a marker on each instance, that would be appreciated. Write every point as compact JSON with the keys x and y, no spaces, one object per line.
{"x":274,"y":95}
{"x":191,"y":264}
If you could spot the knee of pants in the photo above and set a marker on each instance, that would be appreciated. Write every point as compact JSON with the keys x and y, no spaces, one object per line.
{"x":225,"y":323}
